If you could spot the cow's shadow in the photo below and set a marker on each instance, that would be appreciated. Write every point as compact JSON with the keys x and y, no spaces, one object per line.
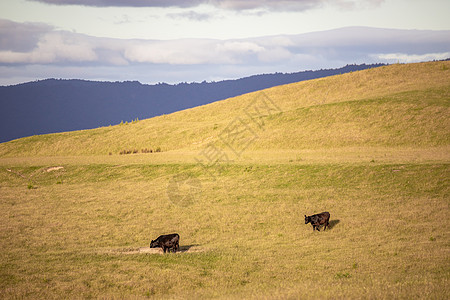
{"x":332,"y":223}
{"x":185,"y":248}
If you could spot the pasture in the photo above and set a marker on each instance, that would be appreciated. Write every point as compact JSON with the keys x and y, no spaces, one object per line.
{"x":371,"y":147}
{"x":75,"y":231}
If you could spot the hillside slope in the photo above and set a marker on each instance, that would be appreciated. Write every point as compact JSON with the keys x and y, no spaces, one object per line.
{"x":397,"y":105}
{"x":52,"y":105}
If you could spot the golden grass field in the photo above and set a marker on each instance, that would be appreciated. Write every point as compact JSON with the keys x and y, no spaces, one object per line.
{"x":235,"y":179}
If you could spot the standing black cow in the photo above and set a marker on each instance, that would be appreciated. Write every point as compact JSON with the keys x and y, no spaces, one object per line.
{"x":167,"y":242}
{"x":318,"y":219}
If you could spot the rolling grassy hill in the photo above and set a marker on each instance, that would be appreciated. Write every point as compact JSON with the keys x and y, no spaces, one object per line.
{"x":398,"y":105}
{"x":54,"y":105}
{"x":235,"y":179}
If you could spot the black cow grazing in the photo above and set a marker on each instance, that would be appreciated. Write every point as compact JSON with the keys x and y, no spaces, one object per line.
{"x":318,"y":219}
{"x":167,"y":242}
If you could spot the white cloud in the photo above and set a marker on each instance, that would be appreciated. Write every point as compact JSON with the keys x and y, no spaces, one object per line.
{"x":190,"y":51}
{"x":410,"y":58}
{"x":204,"y":59}
{"x":190,"y":15}
{"x":61,"y":47}
{"x":54,"y":47}
{"x":274,"y":54}
{"x":236,"y":49}
{"x":176,"y":52}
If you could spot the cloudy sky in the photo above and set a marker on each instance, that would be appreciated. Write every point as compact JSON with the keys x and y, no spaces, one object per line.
{"x":183,"y":41}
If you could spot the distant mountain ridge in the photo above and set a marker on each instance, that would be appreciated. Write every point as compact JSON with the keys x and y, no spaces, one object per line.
{"x":57,"y":105}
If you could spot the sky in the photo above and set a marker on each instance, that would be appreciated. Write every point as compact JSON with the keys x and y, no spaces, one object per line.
{"x":184,"y":41}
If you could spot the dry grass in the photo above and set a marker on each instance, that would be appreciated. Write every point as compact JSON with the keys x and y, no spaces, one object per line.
{"x":388,"y":235}
{"x":375,"y":154}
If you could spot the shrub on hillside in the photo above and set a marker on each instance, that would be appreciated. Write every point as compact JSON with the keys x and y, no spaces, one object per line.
{"x":135,"y":151}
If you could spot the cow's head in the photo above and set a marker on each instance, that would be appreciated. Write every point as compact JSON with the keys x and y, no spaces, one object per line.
{"x":154,"y":244}
{"x":307,"y":219}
